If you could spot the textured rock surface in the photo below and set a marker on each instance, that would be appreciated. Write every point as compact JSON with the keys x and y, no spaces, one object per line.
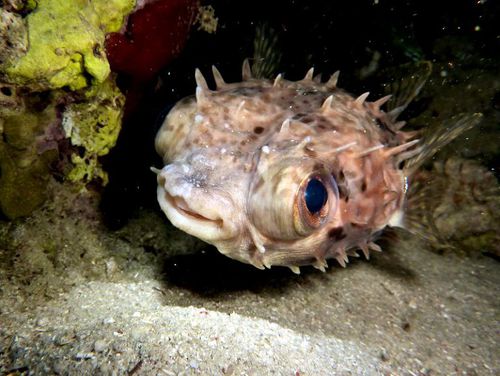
{"x":457,"y":205}
{"x":44,"y":58}
{"x":24,"y":169}
{"x":46,"y":48}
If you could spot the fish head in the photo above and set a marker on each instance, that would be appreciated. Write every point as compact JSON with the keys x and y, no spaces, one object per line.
{"x":201,"y":199}
{"x":279,"y":201}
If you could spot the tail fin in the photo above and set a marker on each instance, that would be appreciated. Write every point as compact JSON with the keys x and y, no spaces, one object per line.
{"x":406,"y":82}
{"x":433,"y":140}
{"x":419,"y":219}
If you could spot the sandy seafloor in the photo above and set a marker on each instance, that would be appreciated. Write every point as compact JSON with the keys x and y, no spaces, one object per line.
{"x":78,"y":299}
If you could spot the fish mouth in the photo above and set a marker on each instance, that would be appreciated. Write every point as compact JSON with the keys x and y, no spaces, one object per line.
{"x":181,"y":205}
{"x":207,"y":226}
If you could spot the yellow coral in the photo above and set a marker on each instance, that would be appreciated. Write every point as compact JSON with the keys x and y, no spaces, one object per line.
{"x":95,"y":126}
{"x":66,"y":39}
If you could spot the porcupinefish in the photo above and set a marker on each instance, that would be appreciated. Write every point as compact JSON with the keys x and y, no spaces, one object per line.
{"x":275,"y":172}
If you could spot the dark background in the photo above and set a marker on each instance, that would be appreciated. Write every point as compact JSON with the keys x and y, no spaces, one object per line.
{"x":329,"y":35}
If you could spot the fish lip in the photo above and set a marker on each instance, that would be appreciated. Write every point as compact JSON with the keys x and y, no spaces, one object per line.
{"x":182,"y":206}
{"x":183,"y":216}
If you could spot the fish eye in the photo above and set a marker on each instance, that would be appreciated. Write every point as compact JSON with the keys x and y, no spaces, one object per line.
{"x":315,"y":196}
{"x":315,"y":202}
{"x":292,"y":198}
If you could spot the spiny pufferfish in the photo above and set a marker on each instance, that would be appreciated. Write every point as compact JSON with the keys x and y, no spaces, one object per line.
{"x":288,"y":173}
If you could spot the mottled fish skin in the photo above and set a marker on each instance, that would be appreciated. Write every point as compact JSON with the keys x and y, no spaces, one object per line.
{"x":238,"y":160}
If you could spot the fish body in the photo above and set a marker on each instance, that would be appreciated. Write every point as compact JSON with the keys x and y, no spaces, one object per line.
{"x":283,"y":173}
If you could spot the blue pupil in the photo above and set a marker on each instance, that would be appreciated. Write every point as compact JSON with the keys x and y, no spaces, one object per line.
{"x":315,"y":196}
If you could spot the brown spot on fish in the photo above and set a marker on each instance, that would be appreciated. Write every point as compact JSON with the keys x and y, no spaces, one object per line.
{"x":363,"y":186}
{"x":258,"y":130}
{"x":337,"y":233}
{"x":307,"y":119}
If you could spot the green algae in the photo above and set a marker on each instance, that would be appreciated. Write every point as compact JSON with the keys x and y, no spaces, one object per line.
{"x":66,"y":44}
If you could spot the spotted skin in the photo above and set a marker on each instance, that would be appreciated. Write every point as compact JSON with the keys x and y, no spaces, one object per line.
{"x":237,"y":160}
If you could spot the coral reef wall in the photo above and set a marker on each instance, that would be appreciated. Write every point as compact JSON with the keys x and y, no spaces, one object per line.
{"x":60,"y":108}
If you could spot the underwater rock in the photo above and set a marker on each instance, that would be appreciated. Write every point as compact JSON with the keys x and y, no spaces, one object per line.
{"x":457,"y":205}
{"x":19,"y":5}
{"x":10,"y":101}
{"x":53,"y":133}
{"x":13,"y":36}
{"x":65,"y":40}
{"x":24,"y":170}
{"x":46,"y":46}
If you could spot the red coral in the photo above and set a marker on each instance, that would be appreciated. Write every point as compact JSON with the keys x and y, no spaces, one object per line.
{"x":155,"y":34}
